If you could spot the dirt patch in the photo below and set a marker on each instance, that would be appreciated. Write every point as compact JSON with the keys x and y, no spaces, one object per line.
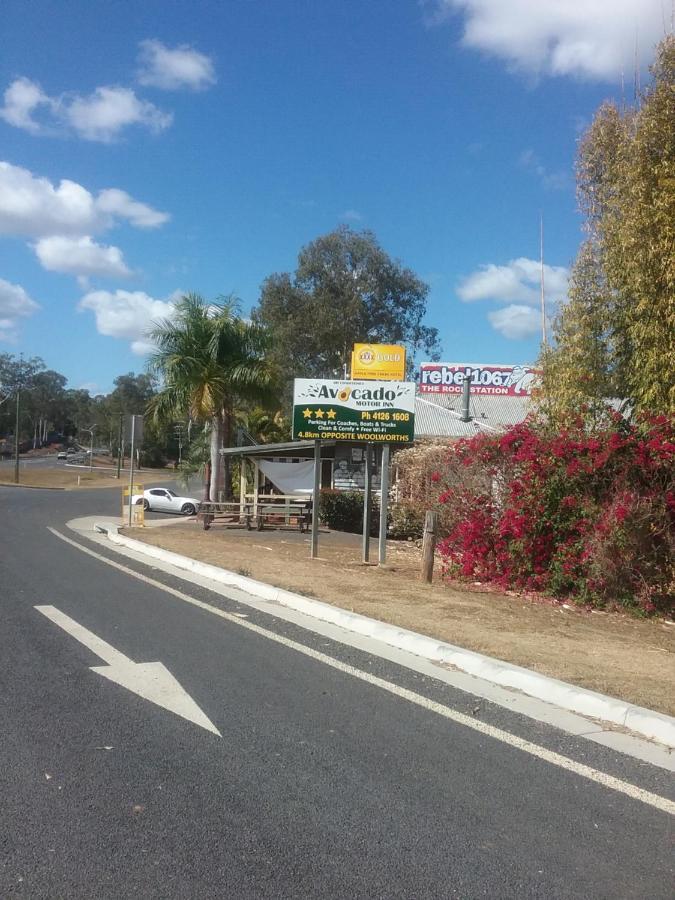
{"x":617,"y":655}
{"x":67,"y":479}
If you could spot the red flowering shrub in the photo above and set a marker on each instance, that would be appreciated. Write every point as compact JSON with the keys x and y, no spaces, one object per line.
{"x":586,"y":515}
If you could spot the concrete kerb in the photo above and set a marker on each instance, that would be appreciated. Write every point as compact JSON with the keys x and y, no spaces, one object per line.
{"x":649,"y":724}
{"x":31,"y":487}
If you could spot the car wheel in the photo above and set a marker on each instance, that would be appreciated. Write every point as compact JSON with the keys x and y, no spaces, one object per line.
{"x":188,"y":509}
{"x":146,"y":505}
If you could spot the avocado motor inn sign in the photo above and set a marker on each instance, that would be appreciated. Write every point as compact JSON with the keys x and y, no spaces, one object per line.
{"x":377,"y":411}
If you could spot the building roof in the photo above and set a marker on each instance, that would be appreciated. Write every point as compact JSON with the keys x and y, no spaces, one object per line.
{"x":496,"y":410}
{"x":290,"y":448}
{"x":441,"y":416}
{"x":432,"y":420}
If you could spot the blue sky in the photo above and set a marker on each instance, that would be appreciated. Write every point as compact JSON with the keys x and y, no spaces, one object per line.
{"x":148,"y":149}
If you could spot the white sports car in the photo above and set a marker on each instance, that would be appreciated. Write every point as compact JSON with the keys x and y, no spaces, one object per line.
{"x":164,"y":500}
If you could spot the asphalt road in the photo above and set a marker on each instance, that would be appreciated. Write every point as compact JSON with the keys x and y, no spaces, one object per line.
{"x":320,"y":784}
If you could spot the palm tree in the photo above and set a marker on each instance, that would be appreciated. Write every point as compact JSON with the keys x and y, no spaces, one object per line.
{"x":265,"y":426}
{"x":208,"y":359}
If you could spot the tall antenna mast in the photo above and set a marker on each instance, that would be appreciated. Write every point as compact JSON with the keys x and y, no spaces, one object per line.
{"x":543,"y":295}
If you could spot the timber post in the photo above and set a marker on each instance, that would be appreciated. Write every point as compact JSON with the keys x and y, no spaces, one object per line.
{"x":429,"y":545}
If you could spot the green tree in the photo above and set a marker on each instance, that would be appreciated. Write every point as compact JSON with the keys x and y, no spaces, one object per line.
{"x":209,"y":360}
{"x":624,"y":306}
{"x":579,"y":371}
{"x":345,"y":289}
{"x":79,"y":410}
{"x":17,"y":376}
{"x":44,"y":402}
{"x":265,"y":426}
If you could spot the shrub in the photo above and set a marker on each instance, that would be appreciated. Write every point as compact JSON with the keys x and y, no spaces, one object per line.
{"x":406,"y":520}
{"x":343,"y":511}
{"x":419,"y":486}
{"x":587,"y":514}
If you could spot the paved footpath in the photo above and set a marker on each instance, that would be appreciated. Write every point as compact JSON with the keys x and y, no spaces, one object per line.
{"x":262,"y":759}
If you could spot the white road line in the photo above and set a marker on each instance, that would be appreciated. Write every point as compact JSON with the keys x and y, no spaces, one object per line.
{"x":90,"y":640}
{"x":562,"y":762}
{"x":151,"y":680}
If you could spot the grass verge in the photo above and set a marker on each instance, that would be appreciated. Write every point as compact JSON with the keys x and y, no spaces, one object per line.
{"x":67,"y":479}
{"x":619,"y":655}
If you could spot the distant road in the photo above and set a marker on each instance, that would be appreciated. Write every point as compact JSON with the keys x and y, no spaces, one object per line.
{"x":47,"y":461}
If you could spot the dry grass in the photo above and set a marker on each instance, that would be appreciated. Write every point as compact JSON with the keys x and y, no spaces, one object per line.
{"x":67,"y":479}
{"x":618,"y":655}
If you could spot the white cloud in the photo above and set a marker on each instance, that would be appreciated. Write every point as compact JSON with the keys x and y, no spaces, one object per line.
{"x":109,"y":110}
{"x":593,"y":39}
{"x":102,"y":116}
{"x":22,"y":98}
{"x":15,"y":304}
{"x":120,"y":204}
{"x":351,"y":215}
{"x":516,"y":282}
{"x":32,"y":206}
{"x":515,"y":321}
{"x":80,"y":256}
{"x":127,"y":314}
{"x":552,"y":181}
{"x":172,"y":68}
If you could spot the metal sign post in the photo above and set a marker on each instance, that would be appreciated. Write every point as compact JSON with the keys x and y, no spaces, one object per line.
{"x":384,"y":504}
{"x":315,"y":499}
{"x":367,"y":502}
{"x":135,"y":423}
{"x":131,"y":467}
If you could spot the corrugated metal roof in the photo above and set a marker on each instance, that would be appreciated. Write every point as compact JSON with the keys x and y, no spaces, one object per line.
{"x":432,"y":420}
{"x":441,"y":416}
{"x":497,"y":411}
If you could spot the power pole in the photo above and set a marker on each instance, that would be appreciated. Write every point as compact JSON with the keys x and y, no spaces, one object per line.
{"x":178,"y":432}
{"x":91,"y":447}
{"x":119,"y":446}
{"x":543,"y":295}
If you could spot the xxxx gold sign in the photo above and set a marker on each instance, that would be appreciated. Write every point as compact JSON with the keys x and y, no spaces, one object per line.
{"x":378,"y":411}
{"x":379,"y":362}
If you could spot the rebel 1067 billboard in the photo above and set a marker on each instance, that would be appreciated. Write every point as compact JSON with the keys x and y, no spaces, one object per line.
{"x":377,"y":411}
{"x":506,"y":381}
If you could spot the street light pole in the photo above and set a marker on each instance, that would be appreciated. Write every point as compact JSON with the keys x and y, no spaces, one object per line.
{"x":91,"y":444}
{"x":16,"y":437}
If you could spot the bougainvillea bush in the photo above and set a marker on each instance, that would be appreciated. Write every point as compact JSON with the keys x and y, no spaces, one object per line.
{"x":586,"y":514}
{"x":419,"y":487}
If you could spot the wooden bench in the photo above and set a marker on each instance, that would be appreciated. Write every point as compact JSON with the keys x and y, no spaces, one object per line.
{"x":293,"y":514}
{"x":284,"y":514}
{"x":231,"y":514}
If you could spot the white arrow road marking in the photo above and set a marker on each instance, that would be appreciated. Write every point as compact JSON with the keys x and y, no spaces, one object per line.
{"x":151,"y":680}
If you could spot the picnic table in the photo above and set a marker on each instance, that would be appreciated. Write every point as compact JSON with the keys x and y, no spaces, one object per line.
{"x":282,"y":513}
